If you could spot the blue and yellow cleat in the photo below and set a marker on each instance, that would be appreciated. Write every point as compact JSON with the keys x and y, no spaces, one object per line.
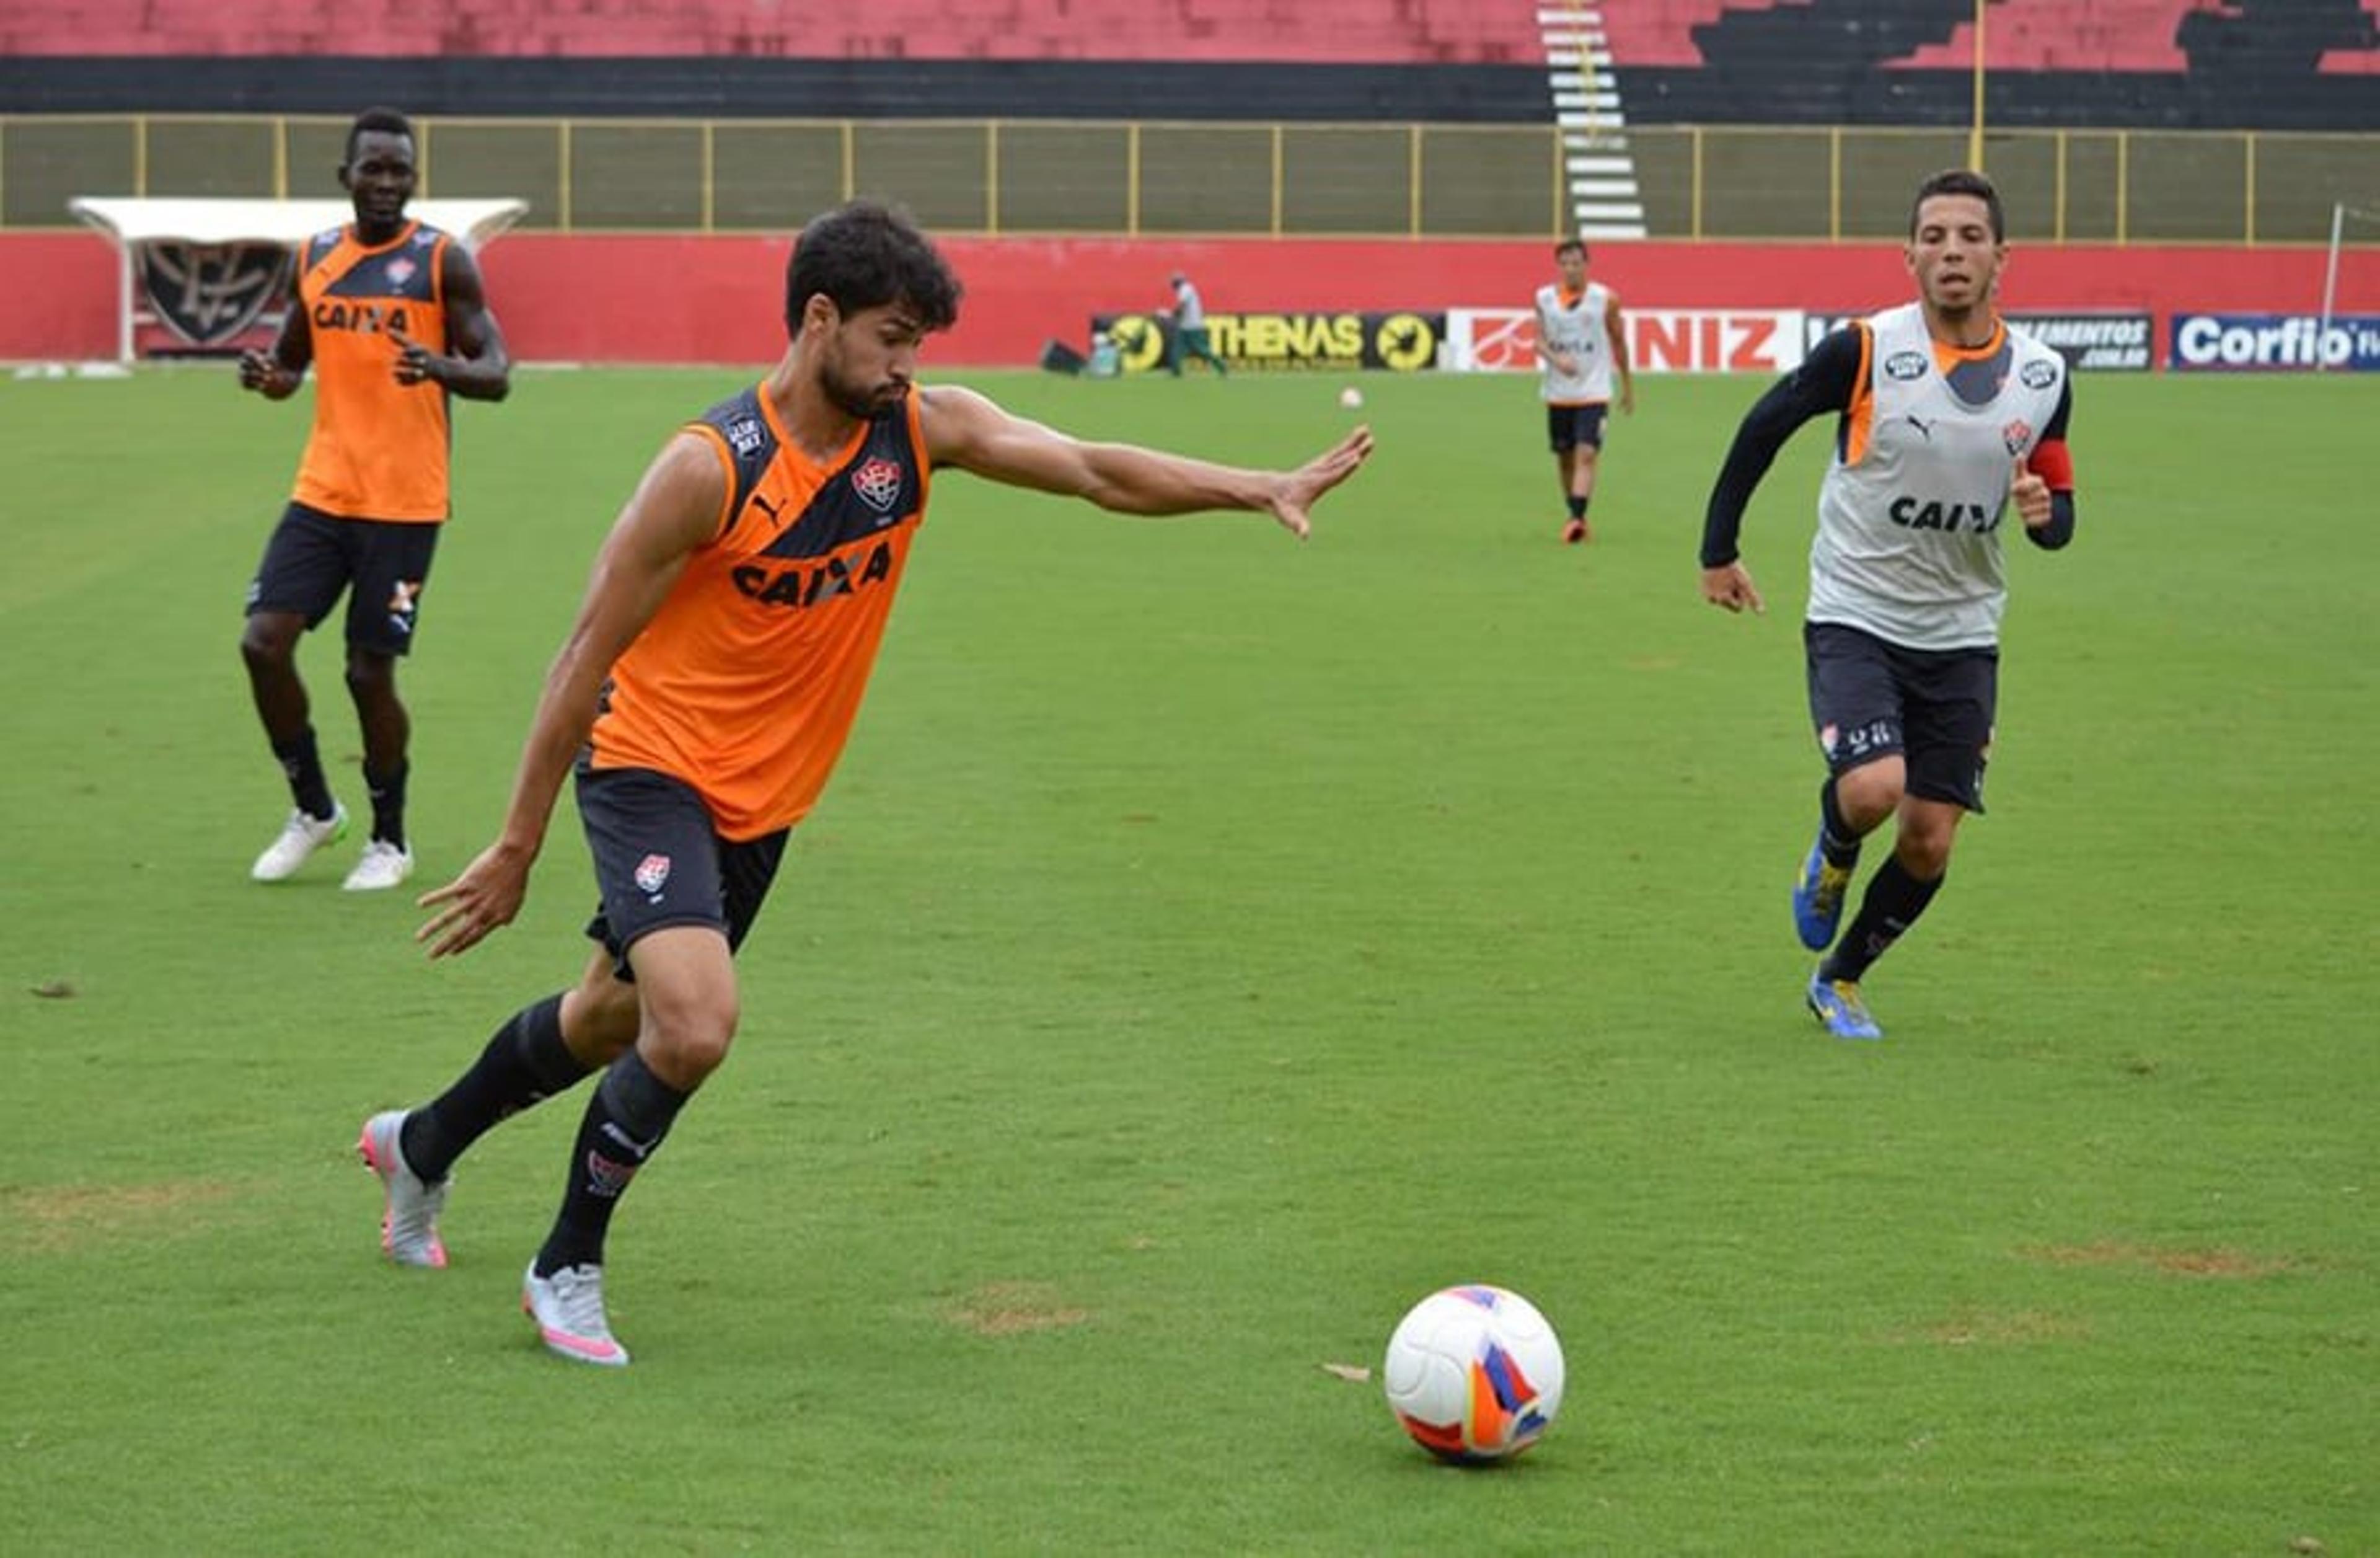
{"x":1818,"y":899}
{"x":1837,"y":1003}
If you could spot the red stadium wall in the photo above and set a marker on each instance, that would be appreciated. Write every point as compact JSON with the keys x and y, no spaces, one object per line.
{"x":564,"y":298}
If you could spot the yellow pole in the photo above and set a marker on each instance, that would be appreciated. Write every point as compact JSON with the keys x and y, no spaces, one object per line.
{"x":423,"y":157}
{"x":850,"y":162}
{"x":1131,"y":180}
{"x":2251,"y":186}
{"x":1976,"y":135}
{"x":1276,"y":180}
{"x":280,"y":157}
{"x":991,"y":178}
{"x":709,"y":174}
{"x":1835,"y":185}
{"x":141,"y":154}
{"x":1413,"y":181}
{"x":2123,"y":186}
{"x":1696,"y":229}
{"x":1558,"y":182}
{"x":2061,"y":234}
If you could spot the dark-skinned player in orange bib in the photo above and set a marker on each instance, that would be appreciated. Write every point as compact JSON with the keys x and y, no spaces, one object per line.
{"x":391,"y":316}
{"x":701,"y":699}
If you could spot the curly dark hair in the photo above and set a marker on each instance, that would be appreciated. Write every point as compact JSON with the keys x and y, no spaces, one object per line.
{"x":864,"y":254}
{"x":1961,"y":181}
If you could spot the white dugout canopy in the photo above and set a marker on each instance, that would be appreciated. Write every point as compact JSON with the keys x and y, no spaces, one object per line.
{"x":196,"y":246}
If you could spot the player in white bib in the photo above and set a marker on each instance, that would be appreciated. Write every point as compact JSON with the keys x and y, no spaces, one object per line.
{"x":1581,"y":346}
{"x":1948,"y":420}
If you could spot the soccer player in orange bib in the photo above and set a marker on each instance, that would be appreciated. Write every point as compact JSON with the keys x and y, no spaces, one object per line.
{"x":392,"y":317}
{"x":702,"y":697}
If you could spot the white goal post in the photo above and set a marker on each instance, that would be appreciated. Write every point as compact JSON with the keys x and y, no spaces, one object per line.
{"x":2341,"y":215}
{"x":185,"y":236}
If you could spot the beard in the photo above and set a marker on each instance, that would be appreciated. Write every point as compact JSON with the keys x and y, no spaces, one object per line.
{"x":857,"y":398}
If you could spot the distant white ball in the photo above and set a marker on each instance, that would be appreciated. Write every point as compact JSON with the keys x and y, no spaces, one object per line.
{"x":1473,"y":1373}
{"x":1350,"y":398}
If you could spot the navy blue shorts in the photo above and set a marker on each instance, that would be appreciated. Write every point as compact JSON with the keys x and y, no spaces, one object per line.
{"x":1870,"y":698}
{"x":381,"y":564}
{"x":659,"y":863}
{"x":1574,"y":426}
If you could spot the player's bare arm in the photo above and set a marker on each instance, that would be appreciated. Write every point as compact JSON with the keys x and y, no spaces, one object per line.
{"x":1616,"y":328}
{"x":276,"y":371}
{"x":965,"y":429}
{"x":1562,"y":362}
{"x":674,"y":510}
{"x":478,"y":367}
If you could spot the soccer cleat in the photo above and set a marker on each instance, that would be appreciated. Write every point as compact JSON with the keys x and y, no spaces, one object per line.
{"x":1837,"y":1003}
{"x":568,"y":1308}
{"x":383,"y":865}
{"x":300,"y":836}
{"x":1574,"y":532}
{"x":1818,"y":899}
{"x":409,"y":1224}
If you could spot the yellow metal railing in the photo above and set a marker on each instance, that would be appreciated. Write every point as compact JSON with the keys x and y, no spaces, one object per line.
{"x":1147,"y":177}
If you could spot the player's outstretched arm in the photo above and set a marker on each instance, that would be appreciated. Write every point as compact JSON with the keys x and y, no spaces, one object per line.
{"x":968,"y":431}
{"x":673,"y":511}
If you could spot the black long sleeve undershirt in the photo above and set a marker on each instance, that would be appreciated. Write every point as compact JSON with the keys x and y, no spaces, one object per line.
{"x":1824,"y":383}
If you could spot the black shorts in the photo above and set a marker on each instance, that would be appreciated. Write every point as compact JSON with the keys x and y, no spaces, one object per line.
{"x":1870,"y":698}
{"x":382,"y":565}
{"x":1574,"y":426}
{"x":659,"y":863}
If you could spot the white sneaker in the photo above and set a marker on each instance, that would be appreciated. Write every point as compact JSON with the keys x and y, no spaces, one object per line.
{"x":300,"y":836}
{"x":568,"y":1308}
{"x":383,"y":865}
{"x":409,"y":1224}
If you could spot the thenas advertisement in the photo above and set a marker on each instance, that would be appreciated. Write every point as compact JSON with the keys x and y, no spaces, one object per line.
{"x":1394,"y":340}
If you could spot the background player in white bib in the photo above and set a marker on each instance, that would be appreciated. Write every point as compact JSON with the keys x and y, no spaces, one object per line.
{"x":1947,"y":418}
{"x":1582,"y":345}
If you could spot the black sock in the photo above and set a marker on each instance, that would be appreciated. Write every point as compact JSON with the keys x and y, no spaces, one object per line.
{"x":387,"y":792}
{"x":626,"y":1121}
{"x":525,"y":1062}
{"x":1837,"y":839}
{"x":303,"y":765}
{"x":1894,"y":901}
{"x":1577,"y":507}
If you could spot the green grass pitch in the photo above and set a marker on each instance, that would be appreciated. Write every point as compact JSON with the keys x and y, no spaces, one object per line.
{"x":1209,"y":945}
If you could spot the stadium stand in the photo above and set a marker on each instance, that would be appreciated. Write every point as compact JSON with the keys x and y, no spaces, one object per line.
{"x":2182,"y":64}
{"x":1310,"y":31}
{"x":2162,"y":35}
{"x":2104,"y":64}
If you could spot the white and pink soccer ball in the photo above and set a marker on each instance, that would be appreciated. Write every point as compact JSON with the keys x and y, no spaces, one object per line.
{"x":1473,"y":1373}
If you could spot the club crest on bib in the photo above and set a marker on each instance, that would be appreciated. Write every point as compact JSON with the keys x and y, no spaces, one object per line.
{"x":878,"y":483}
{"x":2017,"y":437}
